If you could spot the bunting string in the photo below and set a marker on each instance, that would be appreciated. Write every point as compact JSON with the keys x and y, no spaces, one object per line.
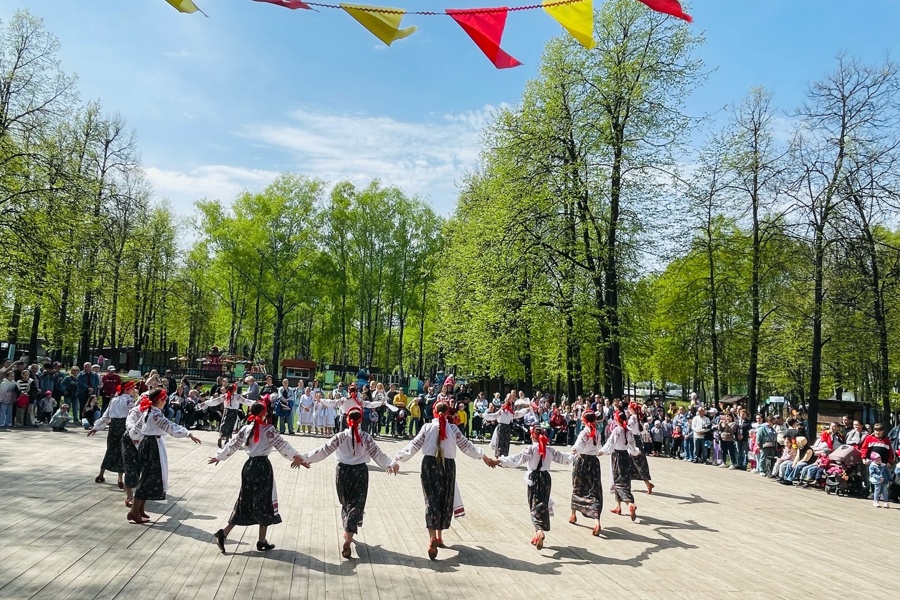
{"x":467,"y":11}
{"x":484,"y":26}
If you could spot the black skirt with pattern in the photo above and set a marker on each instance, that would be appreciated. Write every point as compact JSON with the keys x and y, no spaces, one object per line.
{"x":539,"y":499}
{"x":353,"y":490}
{"x":622,"y":468}
{"x":131,"y":462}
{"x":226,"y":430}
{"x":112,"y":460}
{"x":587,"y":488}
{"x":504,"y":435}
{"x":256,"y":504}
{"x":641,"y":468}
{"x":438,"y":485}
{"x":150,"y":485}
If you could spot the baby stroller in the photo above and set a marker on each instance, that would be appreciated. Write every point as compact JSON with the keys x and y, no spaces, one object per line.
{"x":845,"y":476}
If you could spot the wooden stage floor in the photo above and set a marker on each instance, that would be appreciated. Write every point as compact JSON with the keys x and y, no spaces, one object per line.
{"x":64,"y":536}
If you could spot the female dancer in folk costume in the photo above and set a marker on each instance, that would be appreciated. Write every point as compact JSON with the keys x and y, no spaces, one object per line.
{"x":503,"y":432}
{"x":131,"y":461}
{"x":351,"y":401}
{"x":621,"y":448}
{"x":587,"y":489}
{"x":257,"y":503}
{"x":154,"y":480}
{"x":353,"y":449}
{"x":537,"y":459}
{"x":438,"y":441}
{"x":114,"y":416}
{"x":307,"y":416}
{"x":641,"y":467}
{"x":231,"y":401}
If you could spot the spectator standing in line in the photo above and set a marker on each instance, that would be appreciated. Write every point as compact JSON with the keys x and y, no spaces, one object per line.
{"x":766,"y":440}
{"x":9,"y":392}
{"x":88,"y":383}
{"x":109,"y":387}
{"x":700,"y":425}
{"x":856,"y":434}
{"x":69,"y":387}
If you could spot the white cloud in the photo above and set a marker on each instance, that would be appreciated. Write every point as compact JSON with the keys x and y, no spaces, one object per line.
{"x":426,"y":157}
{"x":222,"y":182}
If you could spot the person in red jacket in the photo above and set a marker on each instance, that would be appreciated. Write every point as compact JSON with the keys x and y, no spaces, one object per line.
{"x":832,"y":437}
{"x":109,"y":385}
{"x":878,"y":442}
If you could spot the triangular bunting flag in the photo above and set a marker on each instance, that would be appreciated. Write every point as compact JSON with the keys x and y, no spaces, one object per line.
{"x":486,"y":30}
{"x":669,"y":7}
{"x":383,"y":25}
{"x":576,"y":17}
{"x":291,"y":4}
{"x":185,"y":6}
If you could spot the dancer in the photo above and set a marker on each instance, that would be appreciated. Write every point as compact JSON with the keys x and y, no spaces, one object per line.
{"x":537,"y":458}
{"x":621,"y":448}
{"x":131,"y":461}
{"x":354,"y":448}
{"x":587,"y":489}
{"x":641,"y":466}
{"x":154,"y":480}
{"x":232,"y":402}
{"x":503,"y":432}
{"x":115,"y":415}
{"x":438,"y":441}
{"x":257,"y":503}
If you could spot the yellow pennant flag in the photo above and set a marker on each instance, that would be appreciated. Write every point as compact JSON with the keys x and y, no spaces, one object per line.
{"x":185,"y":6}
{"x":383,"y":25}
{"x":576,"y":17}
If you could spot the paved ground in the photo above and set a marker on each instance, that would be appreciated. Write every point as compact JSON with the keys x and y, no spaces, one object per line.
{"x":63,"y":536}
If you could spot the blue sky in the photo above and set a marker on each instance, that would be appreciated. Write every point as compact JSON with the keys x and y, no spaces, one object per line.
{"x":224,"y":103}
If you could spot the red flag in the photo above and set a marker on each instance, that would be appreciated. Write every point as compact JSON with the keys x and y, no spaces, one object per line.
{"x":669,"y":7}
{"x":291,"y":4}
{"x":486,"y":30}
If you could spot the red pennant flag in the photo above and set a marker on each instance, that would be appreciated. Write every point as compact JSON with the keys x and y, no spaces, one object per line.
{"x":486,"y":30}
{"x":291,"y":4}
{"x":669,"y":7}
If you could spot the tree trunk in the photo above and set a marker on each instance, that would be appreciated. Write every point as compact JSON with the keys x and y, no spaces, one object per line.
{"x":35,"y":325}
{"x":815,"y":376}
{"x":755,"y":323}
{"x":422,"y":333}
{"x":613,"y":361}
{"x":713,"y":307}
{"x":276,"y":337}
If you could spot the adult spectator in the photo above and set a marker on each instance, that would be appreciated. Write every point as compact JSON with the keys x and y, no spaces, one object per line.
{"x":846,"y":425}
{"x":742,"y":437}
{"x":9,"y":392}
{"x":69,"y":387}
{"x":252,"y":388}
{"x":767,"y":441}
{"x":878,"y":442}
{"x":831,"y":438}
{"x":109,"y":386}
{"x":26,"y":400}
{"x":47,"y":379}
{"x":728,"y":429}
{"x":700,"y":426}
{"x":856,"y":435}
{"x":88,"y":384}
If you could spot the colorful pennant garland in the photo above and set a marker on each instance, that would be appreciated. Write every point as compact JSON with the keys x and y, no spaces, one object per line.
{"x":384,"y":24}
{"x":486,"y":30}
{"x":291,"y":4}
{"x":484,"y":25}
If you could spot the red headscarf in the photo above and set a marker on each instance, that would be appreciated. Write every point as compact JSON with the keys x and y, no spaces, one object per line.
{"x":128,"y":385}
{"x":354,"y":418}
{"x":229,"y":392}
{"x":145,"y":404}
{"x":257,"y":420}
{"x":442,"y":420}
{"x":591,"y":425}
{"x":538,"y":435}
{"x":508,"y":406}
{"x":621,"y":419}
{"x":637,"y":410}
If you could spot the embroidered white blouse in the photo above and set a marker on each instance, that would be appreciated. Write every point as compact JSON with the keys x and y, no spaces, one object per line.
{"x":233,"y":404}
{"x":530,"y":457}
{"x":427,"y":442}
{"x":347,"y":452}
{"x":505,"y":417}
{"x":118,"y":408}
{"x":269,"y":440}
{"x":586,"y":445}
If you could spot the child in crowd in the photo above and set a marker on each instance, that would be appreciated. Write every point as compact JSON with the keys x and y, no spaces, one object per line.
{"x":47,"y":404}
{"x":677,"y":442}
{"x":656,"y":433}
{"x":61,"y":418}
{"x":880,"y":478}
{"x":647,"y":439}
